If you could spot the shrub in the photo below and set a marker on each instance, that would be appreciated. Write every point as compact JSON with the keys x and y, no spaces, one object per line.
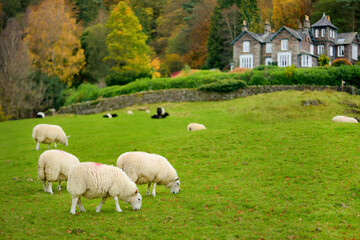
{"x":226,"y":85}
{"x":239,"y":70}
{"x":258,"y":79}
{"x":85,"y":92}
{"x":122,"y":78}
{"x":340,"y":61}
{"x":323,"y":60}
{"x":2,"y":115}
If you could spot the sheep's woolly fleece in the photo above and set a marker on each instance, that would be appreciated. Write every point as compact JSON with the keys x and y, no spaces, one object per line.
{"x":46,"y":133}
{"x":195,"y":127}
{"x":344,"y":119}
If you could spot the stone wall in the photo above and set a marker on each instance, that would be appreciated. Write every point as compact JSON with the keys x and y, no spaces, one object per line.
{"x":183,"y":95}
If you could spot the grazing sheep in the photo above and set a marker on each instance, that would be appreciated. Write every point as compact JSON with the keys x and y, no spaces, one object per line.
{"x":55,"y":165}
{"x":160,"y":113}
{"x":130,"y":112}
{"x":40,"y":115}
{"x":344,"y":119}
{"x":195,"y":127}
{"x":147,"y":111}
{"x":109,"y":115}
{"x":46,"y":133}
{"x":96,"y":180}
{"x":142,"y":168}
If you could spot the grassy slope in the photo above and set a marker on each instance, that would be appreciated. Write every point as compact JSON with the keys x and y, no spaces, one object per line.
{"x":266,"y":167}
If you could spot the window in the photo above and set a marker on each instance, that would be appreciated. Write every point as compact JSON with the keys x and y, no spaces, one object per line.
{"x":311,"y":48}
{"x":246,"y":46}
{"x":284,"y":59}
{"x":284,"y":44}
{"x":323,"y":32}
{"x":331,"y":51}
{"x":268,"y":61}
{"x":246,"y":61}
{"x":354,"y":51}
{"x":305,"y":61}
{"x":320,"y":49}
{"x":268,"y":47}
{"x":340,"y":51}
{"x":317,"y":33}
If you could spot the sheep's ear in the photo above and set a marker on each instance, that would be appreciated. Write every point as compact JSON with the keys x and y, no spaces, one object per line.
{"x":137,"y":191}
{"x":67,"y":136}
{"x":176,"y":179}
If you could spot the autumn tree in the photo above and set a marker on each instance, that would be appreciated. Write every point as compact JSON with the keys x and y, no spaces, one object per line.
{"x":87,"y":10}
{"x":126,"y":42}
{"x":53,"y":40}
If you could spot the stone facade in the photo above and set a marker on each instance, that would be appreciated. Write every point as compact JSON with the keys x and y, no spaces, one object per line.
{"x":184,"y":95}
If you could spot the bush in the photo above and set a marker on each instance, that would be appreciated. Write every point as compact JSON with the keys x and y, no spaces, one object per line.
{"x":340,"y":61}
{"x":123,"y":78}
{"x":323,"y":60}
{"x":2,"y":116}
{"x":226,"y":85}
{"x":85,"y":92}
{"x":258,"y":79}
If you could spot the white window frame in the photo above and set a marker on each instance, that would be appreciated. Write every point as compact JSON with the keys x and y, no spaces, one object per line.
{"x":306,"y":61}
{"x":323,"y":32}
{"x":317,"y":33}
{"x":320,"y":49}
{"x":284,"y":59}
{"x":312,"y":48}
{"x":341,"y":51}
{"x":268,"y":47}
{"x":246,"y":46}
{"x":268,"y":61}
{"x":284,"y":44}
{"x":246,"y":61}
{"x":354,"y":51}
{"x":331,"y":51}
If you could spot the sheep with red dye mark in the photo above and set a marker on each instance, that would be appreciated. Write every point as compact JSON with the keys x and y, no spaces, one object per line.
{"x":96,"y":180}
{"x":195,"y":127}
{"x":344,"y":119}
{"x":54,"y":166}
{"x":46,"y":133}
{"x":146,"y":168}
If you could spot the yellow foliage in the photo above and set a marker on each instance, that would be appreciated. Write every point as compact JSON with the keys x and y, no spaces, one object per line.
{"x":155,"y":67}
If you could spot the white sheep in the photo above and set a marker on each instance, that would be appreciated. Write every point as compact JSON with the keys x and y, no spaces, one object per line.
{"x":55,"y":165}
{"x":147,"y":111}
{"x":96,"y":180}
{"x":46,"y":133}
{"x":195,"y":127}
{"x":142,"y":168}
{"x":344,"y":119}
{"x":130,"y":112}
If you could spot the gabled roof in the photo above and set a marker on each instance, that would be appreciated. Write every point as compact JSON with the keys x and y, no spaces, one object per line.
{"x":266,"y":37}
{"x":323,"y":22}
{"x":346,"y":38}
{"x":291,"y":31}
{"x":253,"y":35}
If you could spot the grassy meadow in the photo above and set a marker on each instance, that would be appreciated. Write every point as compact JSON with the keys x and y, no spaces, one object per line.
{"x":265,"y":168}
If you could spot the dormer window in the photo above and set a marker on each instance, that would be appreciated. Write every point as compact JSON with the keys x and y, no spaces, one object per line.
{"x":317,"y":33}
{"x":284,"y":44}
{"x":323,"y":32}
{"x":246,"y":46}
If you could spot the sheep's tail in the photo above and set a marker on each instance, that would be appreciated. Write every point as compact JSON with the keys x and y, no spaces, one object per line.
{"x":41,"y":170}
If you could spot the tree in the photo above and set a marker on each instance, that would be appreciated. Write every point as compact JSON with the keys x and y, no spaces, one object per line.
{"x":126,"y":42}
{"x":20,"y":96}
{"x":53,"y":40}
{"x":87,"y":10}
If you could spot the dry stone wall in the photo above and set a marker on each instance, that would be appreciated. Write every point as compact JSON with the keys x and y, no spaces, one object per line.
{"x":184,"y":95}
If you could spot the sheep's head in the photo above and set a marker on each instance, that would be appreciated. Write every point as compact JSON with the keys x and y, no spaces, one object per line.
{"x":174,"y":186}
{"x":135,"y":200}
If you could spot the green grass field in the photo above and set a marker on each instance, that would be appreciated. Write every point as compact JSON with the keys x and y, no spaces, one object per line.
{"x":265,"y":168}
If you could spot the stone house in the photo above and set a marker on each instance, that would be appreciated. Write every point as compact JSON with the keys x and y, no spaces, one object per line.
{"x":300,"y":48}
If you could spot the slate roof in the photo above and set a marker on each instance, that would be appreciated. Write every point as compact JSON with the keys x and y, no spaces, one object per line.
{"x":291,"y":31}
{"x":266,"y":37}
{"x":254,"y":35}
{"x":345,"y":38}
{"x":323,"y":22}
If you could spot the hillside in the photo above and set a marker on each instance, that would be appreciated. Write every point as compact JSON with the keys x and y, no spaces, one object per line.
{"x":266,"y":167}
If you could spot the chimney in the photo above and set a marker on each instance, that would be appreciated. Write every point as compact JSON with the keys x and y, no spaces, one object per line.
{"x":306,"y":23}
{"x":244,"y":27}
{"x":300,"y":26}
{"x":267,"y":27}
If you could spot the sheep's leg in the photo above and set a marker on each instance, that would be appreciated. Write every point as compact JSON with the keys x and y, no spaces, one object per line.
{"x":50,"y":188}
{"x":73,"y":204}
{"x":49,"y":146}
{"x":154,"y":190}
{"x":148,"y":189}
{"x":118,"y":209}
{"x":45,"y":186}
{"x":101,"y":203}
{"x":55,"y":145}
{"x":80,"y":205}
{"x":37,"y":146}
{"x":59,"y":186}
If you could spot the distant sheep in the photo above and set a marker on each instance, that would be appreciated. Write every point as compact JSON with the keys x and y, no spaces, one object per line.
{"x":40,"y":115}
{"x":160,"y":113}
{"x":142,"y":168}
{"x":344,"y":119}
{"x":96,"y":180}
{"x":130,"y":112}
{"x":55,"y":165}
{"x":109,"y":115}
{"x":46,"y":133}
{"x":195,"y":127}
{"x":147,"y":111}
